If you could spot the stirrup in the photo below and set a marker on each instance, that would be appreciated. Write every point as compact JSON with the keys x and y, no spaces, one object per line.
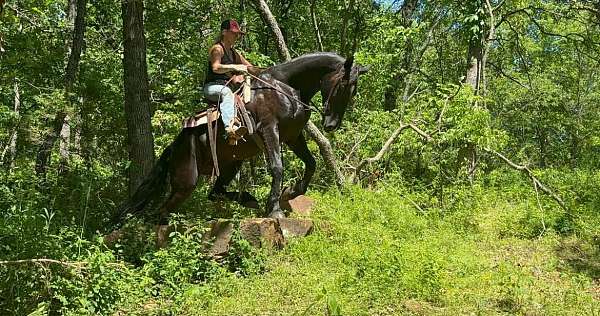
{"x":233,"y":135}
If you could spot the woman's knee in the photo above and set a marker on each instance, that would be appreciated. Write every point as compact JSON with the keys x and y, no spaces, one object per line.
{"x":226,"y":93}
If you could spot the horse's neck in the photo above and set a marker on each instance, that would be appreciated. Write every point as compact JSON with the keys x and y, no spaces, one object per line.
{"x":305,"y":75}
{"x":313,"y":67}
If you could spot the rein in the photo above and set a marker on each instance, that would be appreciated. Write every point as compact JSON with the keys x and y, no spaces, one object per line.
{"x":306,"y":106}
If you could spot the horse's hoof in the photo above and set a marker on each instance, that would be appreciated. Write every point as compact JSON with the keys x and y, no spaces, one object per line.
{"x":277,"y":214}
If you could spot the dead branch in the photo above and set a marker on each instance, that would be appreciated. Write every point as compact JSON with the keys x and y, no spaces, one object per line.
{"x":387,"y":145}
{"x":536,"y":182}
{"x":353,"y":149}
{"x":45,"y":261}
{"x":69,"y":264}
{"x":326,"y":151}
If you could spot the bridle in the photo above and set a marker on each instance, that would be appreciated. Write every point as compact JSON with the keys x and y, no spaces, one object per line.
{"x":337,"y":80}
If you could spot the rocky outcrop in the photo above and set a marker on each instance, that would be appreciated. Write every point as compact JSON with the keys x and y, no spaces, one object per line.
{"x":221,"y":233}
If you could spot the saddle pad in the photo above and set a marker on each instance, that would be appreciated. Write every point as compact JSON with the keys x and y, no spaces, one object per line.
{"x":200,"y":118}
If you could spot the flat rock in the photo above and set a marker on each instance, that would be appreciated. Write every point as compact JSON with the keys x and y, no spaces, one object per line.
{"x":293,"y":227}
{"x":218,"y":237}
{"x":259,"y":232}
{"x":262,"y":232}
{"x":301,"y":204}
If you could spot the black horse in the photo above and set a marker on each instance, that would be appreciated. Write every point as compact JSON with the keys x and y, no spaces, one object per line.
{"x":280,"y":119}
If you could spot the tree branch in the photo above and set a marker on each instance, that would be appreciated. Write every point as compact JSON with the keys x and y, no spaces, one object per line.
{"x":69,"y":264}
{"x":386,"y":147}
{"x":501,"y":71}
{"x":326,"y":151}
{"x":536,"y":182}
{"x":45,"y":261}
{"x":316,"y":26}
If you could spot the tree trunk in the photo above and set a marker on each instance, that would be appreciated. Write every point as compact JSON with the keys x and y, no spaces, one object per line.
{"x":11,"y":148}
{"x":13,"y":139}
{"x":269,"y":19}
{"x":473,"y":79}
{"x":397,"y":81}
{"x":58,"y":128}
{"x":344,"y":34}
{"x":311,"y":129}
{"x":64,"y":144}
{"x":476,"y":60}
{"x":343,"y":37}
{"x":315,"y":23}
{"x":137,"y":96}
{"x":474,"y":65}
{"x":64,"y":136}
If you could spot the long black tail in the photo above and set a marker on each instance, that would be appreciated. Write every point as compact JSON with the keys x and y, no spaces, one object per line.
{"x":151,"y":188}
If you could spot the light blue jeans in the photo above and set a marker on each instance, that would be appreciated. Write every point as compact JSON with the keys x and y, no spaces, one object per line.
{"x":213,"y":92}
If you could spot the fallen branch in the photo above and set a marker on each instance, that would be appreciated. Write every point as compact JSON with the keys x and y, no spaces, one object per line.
{"x":353,"y":149}
{"x":70,"y":264}
{"x":326,"y":152}
{"x":46,"y":261}
{"x":536,"y":182}
{"x":387,"y":145}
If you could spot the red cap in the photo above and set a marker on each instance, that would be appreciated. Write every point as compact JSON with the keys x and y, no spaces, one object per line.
{"x":231,"y":25}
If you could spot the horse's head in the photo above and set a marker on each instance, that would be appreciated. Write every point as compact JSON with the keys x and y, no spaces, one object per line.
{"x":338,"y":90}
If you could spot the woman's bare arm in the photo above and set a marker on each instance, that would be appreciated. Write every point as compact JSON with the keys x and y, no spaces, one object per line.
{"x":216,"y":53}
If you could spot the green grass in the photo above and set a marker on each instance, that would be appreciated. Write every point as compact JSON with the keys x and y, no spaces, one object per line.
{"x":390,"y":250}
{"x":375,"y":253}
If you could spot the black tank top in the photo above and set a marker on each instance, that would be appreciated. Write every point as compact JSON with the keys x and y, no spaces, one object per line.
{"x":227,"y":59}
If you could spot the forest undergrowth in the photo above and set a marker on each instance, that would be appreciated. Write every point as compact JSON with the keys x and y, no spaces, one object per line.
{"x":394,"y":248}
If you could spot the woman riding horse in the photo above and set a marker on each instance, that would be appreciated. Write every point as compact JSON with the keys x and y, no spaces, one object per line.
{"x":280,"y":110}
{"x":224,"y":66}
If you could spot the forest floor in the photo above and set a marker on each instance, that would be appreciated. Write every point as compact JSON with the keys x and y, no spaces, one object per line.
{"x":377,"y":252}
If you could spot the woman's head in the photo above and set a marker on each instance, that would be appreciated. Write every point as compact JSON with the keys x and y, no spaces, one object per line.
{"x":230,"y":30}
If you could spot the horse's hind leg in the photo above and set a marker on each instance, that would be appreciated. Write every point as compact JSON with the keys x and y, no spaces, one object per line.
{"x":300,"y":148}
{"x":183,"y":174}
{"x":273,"y":153}
{"x":227,"y":173}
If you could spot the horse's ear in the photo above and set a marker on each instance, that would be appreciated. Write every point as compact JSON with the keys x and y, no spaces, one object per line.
{"x":348,"y":67}
{"x":348,"y":63}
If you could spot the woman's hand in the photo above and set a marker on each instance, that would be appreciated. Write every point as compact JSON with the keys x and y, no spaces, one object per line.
{"x":240,"y":68}
{"x":237,"y":79}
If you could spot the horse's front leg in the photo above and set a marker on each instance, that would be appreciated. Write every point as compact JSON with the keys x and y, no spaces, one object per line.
{"x":300,"y":148}
{"x":273,"y":152}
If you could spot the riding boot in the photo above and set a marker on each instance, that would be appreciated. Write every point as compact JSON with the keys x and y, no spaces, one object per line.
{"x":235,"y":132}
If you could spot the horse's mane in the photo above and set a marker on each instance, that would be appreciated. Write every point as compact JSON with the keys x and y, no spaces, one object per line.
{"x":319,"y":59}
